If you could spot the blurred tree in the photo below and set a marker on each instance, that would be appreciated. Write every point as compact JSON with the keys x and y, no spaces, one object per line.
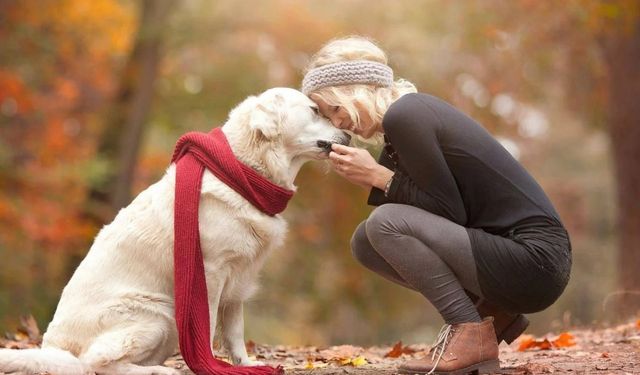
{"x":588,"y":52}
{"x":120,"y":142}
{"x":58,"y":60}
{"x":620,"y":41}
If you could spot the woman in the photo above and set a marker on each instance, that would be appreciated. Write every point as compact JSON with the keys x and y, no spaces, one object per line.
{"x":458,"y":218}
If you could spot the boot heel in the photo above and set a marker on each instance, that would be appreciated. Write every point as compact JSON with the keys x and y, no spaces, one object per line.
{"x":514,"y":330}
{"x":488,"y":367}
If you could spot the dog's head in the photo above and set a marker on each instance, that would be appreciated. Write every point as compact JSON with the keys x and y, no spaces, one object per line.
{"x":280,"y":129}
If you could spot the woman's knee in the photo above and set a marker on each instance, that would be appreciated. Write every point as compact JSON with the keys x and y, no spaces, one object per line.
{"x":360,"y":246}
{"x":384,"y":221}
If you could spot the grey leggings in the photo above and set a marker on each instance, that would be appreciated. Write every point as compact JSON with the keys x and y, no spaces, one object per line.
{"x":423,"y":252}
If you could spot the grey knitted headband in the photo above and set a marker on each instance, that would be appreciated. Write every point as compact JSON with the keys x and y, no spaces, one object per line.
{"x":347,"y":73}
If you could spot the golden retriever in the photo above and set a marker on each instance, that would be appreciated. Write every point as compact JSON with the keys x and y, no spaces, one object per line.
{"x":116,"y":314}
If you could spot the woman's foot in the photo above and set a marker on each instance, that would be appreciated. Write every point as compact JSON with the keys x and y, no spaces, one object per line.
{"x":514,"y":327}
{"x":508,"y":326}
{"x":459,"y":349}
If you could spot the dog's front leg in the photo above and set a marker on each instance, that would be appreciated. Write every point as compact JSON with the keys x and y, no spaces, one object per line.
{"x":233,"y":334}
{"x":214,"y":289}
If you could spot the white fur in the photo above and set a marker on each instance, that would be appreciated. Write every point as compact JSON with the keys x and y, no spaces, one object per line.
{"x":116,"y":314}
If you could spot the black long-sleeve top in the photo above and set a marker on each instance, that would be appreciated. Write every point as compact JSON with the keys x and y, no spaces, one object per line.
{"x":451,"y":166}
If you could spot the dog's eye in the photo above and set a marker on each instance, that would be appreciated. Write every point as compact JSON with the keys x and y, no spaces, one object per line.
{"x":316,"y":110}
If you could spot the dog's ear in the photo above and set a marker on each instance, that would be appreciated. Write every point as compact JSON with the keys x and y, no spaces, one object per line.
{"x":268,"y":116}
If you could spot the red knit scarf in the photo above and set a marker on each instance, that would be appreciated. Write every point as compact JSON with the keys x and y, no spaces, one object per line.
{"x":193,"y":153}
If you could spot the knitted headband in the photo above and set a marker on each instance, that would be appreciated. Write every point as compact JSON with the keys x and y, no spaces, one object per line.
{"x":347,"y":73}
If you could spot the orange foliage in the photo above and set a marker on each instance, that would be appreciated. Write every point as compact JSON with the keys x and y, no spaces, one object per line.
{"x":67,"y":50}
{"x":529,"y":342}
{"x":13,"y":88}
{"x":102,"y":26}
{"x":399,"y":350}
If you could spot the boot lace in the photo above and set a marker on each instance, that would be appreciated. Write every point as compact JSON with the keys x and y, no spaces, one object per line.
{"x":438,"y":347}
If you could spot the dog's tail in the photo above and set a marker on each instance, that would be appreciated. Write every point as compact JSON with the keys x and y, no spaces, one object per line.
{"x":51,"y":360}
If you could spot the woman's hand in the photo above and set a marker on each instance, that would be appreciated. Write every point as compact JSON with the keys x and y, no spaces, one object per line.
{"x":358,"y":166}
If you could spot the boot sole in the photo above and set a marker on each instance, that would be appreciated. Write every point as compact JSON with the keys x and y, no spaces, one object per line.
{"x":486,"y":367}
{"x":514,"y":330}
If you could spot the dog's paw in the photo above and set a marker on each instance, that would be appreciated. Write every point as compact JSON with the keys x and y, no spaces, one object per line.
{"x":249,"y":362}
{"x":246,"y":361}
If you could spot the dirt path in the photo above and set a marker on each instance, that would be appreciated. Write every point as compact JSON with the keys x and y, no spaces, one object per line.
{"x":603,"y":351}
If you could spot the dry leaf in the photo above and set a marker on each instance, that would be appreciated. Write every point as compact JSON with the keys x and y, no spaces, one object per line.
{"x":21,"y":335}
{"x":27,"y":336}
{"x":311,"y":364}
{"x":359,"y":361}
{"x":638,"y":324}
{"x":355,"y":362}
{"x":30,"y":327}
{"x":399,"y":350}
{"x":529,"y":342}
{"x":338,"y":353}
{"x":345,"y":361}
{"x":251,"y":346}
{"x":564,"y":340}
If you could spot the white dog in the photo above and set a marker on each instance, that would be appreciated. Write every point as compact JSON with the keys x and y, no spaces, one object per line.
{"x":116,"y":314}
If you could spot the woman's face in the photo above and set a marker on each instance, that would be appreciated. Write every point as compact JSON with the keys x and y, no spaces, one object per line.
{"x":340,"y":118}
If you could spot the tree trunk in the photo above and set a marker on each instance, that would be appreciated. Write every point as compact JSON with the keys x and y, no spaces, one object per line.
{"x":622,"y":53}
{"x":123,"y":133}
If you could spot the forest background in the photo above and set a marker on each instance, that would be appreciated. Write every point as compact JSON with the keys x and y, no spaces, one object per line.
{"x":93,"y":96}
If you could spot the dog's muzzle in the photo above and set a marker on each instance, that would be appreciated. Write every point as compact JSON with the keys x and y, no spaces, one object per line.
{"x":344,"y":139}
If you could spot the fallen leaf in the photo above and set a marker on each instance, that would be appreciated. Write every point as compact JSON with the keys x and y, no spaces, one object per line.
{"x":311,"y":364}
{"x":355,"y":362}
{"x":399,"y":350}
{"x":605,"y":355}
{"x":30,"y":327}
{"x":564,"y":340}
{"x":21,"y":336}
{"x":359,"y":361}
{"x":638,"y":324}
{"x":339,"y":353}
{"x":345,"y":361}
{"x":251,"y":346}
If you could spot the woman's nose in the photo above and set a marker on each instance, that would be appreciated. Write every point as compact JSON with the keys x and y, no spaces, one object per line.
{"x":337,"y":122}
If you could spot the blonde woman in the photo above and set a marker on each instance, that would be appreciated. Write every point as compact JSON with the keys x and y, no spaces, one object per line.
{"x":458,"y":219}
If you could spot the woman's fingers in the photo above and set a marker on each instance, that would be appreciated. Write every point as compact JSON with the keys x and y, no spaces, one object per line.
{"x":337,"y":158}
{"x":341,"y":149}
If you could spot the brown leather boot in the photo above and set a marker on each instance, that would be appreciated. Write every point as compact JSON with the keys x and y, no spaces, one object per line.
{"x":508,"y":326}
{"x":459,"y":349}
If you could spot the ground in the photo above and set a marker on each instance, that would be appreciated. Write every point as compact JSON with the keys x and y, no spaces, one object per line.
{"x":613,"y":350}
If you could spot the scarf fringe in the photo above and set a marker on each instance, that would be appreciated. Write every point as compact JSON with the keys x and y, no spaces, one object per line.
{"x":242,"y":370}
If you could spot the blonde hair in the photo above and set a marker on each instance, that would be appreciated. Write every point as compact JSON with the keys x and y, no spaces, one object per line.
{"x":373,"y":99}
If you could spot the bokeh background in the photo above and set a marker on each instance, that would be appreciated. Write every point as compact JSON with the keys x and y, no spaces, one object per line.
{"x":94,"y":94}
